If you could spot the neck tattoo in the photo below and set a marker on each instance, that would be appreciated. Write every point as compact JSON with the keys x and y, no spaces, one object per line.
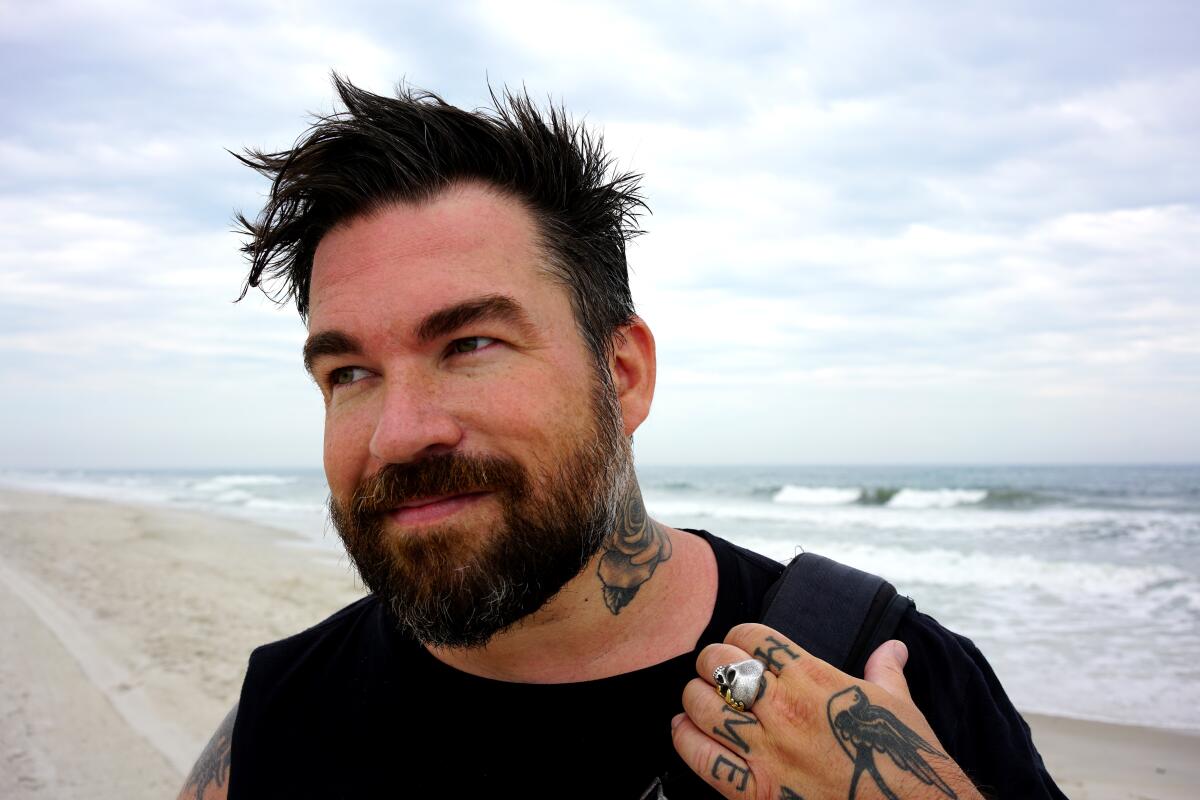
{"x":633,"y":552}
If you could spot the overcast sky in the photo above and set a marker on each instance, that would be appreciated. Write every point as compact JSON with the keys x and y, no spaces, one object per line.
{"x":881,"y":233}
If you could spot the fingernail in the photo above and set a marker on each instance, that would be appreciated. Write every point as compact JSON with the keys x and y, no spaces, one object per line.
{"x":900,"y":651}
{"x":675,"y":720}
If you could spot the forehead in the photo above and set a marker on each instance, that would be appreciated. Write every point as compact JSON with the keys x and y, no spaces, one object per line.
{"x":466,"y":240}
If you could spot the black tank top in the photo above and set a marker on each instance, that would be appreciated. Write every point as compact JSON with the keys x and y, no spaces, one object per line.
{"x":353,"y":708}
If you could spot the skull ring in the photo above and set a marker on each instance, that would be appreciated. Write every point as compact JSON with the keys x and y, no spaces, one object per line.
{"x":738,"y":683}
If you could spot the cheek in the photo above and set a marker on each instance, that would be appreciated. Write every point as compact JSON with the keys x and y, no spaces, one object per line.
{"x":346,"y":451}
{"x":531,"y":409}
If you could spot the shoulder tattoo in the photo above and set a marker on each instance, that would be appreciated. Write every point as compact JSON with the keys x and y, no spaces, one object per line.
{"x":212,"y":768}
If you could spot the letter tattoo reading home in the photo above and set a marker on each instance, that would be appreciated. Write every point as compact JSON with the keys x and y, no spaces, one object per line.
{"x":727,"y":730}
{"x":768,"y":656}
{"x":738,"y":776}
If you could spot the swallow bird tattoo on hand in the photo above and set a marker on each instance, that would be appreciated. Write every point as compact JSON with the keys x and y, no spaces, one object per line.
{"x":862,"y":729}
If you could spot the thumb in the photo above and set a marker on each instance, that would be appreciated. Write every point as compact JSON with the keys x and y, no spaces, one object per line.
{"x":885,"y":668}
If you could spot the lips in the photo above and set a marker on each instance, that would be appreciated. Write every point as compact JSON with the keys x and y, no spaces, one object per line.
{"x":425,"y":501}
{"x":425,"y":510}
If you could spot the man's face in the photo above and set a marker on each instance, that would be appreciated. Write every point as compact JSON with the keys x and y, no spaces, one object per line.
{"x":474,"y":453}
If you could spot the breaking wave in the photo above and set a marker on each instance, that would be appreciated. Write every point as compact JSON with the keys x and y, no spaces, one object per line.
{"x":903,"y":497}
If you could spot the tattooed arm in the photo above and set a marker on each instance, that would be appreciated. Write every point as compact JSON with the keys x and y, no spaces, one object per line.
{"x":209,"y":779}
{"x":813,"y":731}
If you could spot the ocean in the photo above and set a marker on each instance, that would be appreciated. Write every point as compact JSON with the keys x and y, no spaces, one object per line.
{"x":1081,"y":584}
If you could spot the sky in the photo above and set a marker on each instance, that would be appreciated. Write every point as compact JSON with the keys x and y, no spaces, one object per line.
{"x":881,"y":233}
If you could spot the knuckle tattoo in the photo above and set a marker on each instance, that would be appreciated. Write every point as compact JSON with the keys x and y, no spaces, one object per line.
{"x":775,"y":653}
{"x":726,"y":771}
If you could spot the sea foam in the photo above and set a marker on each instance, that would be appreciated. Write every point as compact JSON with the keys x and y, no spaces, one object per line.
{"x":937,"y":498}
{"x":817,"y":496}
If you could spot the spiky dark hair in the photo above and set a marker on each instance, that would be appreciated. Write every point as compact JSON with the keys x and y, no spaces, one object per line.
{"x":382,"y":150}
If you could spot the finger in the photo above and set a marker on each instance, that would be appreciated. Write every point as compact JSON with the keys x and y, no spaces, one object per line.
{"x":721,"y":768}
{"x":885,"y":668}
{"x":739,"y":731}
{"x":768,"y":645}
{"x":797,"y":683}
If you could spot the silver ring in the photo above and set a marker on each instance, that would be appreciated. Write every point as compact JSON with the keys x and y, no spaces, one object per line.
{"x":738,"y":683}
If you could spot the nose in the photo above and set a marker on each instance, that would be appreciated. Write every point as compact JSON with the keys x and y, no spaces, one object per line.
{"x":413,"y":423}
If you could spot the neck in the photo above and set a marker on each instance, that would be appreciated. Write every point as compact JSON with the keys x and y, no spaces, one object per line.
{"x":645,"y":597}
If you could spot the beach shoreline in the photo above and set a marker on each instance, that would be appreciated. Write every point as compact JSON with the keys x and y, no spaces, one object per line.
{"x":151,"y":613}
{"x":127,"y":628}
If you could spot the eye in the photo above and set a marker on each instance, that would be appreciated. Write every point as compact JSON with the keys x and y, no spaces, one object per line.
{"x":344,"y":376}
{"x":470,"y":344}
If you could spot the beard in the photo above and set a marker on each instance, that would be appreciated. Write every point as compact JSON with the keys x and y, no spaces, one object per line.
{"x":453,"y":586}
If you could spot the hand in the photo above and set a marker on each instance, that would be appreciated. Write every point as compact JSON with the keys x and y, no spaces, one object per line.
{"x":814,"y":732}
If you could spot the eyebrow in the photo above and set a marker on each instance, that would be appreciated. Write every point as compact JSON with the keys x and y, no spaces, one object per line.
{"x":492,"y":307}
{"x":435,"y":325}
{"x":328,"y":343}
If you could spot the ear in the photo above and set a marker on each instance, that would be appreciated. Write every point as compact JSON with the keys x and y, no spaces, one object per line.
{"x":633,"y":365}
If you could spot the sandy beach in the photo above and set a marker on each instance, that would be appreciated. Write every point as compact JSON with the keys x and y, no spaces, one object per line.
{"x":125,"y":632}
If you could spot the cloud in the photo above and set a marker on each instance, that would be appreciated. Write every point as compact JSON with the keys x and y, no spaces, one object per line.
{"x":987,"y":214}
{"x":1100,"y":296}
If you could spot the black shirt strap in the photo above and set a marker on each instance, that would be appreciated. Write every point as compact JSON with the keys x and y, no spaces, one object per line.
{"x":837,"y":613}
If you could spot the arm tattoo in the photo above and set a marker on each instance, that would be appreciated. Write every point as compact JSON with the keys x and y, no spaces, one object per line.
{"x":735,"y":773}
{"x":789,"y":794}
{"x":728,"y":730}
{"x":634,"y":551}
{"x":774,"y":662}
{"x":212,"y":768}
{"x":862,"y":728}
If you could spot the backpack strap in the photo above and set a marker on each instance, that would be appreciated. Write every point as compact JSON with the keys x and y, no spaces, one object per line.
{"x":837,"y":613}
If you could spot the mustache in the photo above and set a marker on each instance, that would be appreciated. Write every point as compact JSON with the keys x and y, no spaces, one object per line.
{"x":447,"y":473}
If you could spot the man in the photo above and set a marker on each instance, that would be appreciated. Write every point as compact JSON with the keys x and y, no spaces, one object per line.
{"x":530,"y":631}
